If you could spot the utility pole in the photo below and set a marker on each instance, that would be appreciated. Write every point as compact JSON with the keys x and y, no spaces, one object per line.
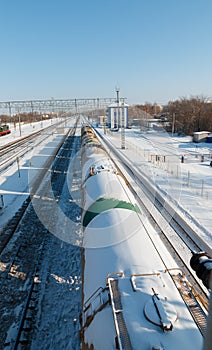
{"x":32,"y":113}
{"x":123,"y":127}
{"x":121,"y":119}
{"x":173,"y":123}
{"x":10,"y":114}
{"x":19,"y":122}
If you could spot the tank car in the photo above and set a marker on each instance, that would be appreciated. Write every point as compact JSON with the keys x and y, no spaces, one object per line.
{"x":131,"y":298}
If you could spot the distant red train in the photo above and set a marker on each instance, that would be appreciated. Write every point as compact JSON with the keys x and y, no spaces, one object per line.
{"x":4,"y":130}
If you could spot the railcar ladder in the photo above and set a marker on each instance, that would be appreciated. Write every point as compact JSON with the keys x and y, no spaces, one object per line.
{"x":123,"y":339}
{"x":97,"y":301}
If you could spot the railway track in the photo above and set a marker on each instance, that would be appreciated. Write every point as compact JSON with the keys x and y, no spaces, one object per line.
{"x":19,"y":326}
{"x":21,"y":255}
{"x":12,"y":151}
{"x":10,"y":228}
{"x":170,"y":226}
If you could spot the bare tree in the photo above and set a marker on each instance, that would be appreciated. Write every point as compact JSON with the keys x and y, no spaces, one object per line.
{"x":194,"y":114}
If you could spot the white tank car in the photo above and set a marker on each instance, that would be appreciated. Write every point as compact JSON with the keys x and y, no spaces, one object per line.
{"x":130,"y":300}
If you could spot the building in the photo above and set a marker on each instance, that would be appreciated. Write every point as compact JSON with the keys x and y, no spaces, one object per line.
{"x":209,"y":138}
{"x":118,"y":115}
{"x":200,"y":136}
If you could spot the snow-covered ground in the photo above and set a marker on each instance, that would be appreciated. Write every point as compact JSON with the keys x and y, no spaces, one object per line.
{"x":14,"y":184}
{"x":188,"y":184}
{"x":59,"y":299}
{"x":157,"y":154}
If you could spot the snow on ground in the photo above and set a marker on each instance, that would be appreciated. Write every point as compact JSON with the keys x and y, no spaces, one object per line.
{"x":189,"y":184}
{"x":14,"y":185}
{"x":59,"y":300}
{"x":159,"y":156}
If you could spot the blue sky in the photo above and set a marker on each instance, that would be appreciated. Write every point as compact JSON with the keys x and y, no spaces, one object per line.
{"x":154,"y":50}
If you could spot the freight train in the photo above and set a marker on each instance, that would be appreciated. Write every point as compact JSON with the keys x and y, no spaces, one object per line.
{"x":134,"y":297}
{"x":4,"y":130}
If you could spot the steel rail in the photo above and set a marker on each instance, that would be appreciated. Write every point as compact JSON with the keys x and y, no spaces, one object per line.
{"x":12,"y":151}
{"x":17,"y":338}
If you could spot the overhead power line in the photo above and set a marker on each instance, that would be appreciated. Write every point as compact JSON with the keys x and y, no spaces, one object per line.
{"x":57,"y":105}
